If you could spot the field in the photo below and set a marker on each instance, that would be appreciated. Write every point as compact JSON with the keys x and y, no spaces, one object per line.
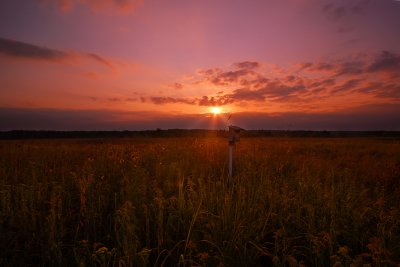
{"x":170,"y":202}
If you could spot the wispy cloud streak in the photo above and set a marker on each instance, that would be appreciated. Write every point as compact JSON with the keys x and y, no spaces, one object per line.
{"x":19,"y":49}
{"x":122,"y":6}
{"x":22,"y":50}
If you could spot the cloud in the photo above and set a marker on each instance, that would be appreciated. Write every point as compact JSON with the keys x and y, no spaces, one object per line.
{"x":177,"y":86}
{"x":281,"y":91}
{"x":302,"y":82}
{"x":391,"y":90}
{"x":249,"y":84}
{"x":209,"y":101}
{"x":385,"y":61}
{"x":305,"y":85}
{"x":21,"y":50}
{"x":348,"y":85}
{"x":18,"y":49}
{"x":336,"y":11}
{"x":357,"y":74}
{"x":272,"y":91}
{"x":351,"y":67}
{"x":168,"y":100}
{"x":218,"y":77}
{"x":322,"y":82}
{"x":202,"y":101}
{"x":321,"y":67}
{"x":247,"y":65}
{"x":342,"y":13}
{"x":244,"y":74}
{"x":122,"y":6}
{"x":245,"y":94}
{"x":360,"y":6}
{"x":100,"y":59}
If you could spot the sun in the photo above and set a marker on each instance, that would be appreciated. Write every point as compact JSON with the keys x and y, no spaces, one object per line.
{"x":215,"y":110}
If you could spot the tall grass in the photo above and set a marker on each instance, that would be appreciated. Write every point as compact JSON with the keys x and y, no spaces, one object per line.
{"x":170,"y":202}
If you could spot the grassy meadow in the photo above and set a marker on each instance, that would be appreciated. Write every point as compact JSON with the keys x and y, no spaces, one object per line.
{"x":170,"y":202}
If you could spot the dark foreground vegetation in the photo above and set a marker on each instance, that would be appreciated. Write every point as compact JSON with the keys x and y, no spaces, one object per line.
{"x":169,"y":202}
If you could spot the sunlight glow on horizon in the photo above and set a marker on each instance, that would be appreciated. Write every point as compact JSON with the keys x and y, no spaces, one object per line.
{"x":216,"y":110}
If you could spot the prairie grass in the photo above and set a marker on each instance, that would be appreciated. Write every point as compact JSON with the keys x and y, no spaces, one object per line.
{"x":170,"y":202}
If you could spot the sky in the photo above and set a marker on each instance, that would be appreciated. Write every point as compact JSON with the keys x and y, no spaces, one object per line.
{"x":148,"y":64}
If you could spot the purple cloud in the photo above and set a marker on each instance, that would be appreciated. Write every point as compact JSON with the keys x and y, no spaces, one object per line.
{"x":158,"y":100}
{"x":22,"y":50}
{"x":335,"y":11}
{"x":385,"y":61}
{"x":348,"y":85}
{"x":245,"y":94}
{"x":247,"y":65}
{"x":304,"y":83}
{"x":17,"y":49}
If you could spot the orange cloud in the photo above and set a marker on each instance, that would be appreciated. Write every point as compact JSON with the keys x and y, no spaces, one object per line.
{"x":177,"y":86}
{"x":122,"y":6}
{"x":168,"y":100}
{"x":314,"y":84}
{"x":207,"y":101}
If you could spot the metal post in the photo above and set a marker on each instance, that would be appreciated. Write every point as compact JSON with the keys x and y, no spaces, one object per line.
{"x":230,"y":159}
{"x":234,"y":136}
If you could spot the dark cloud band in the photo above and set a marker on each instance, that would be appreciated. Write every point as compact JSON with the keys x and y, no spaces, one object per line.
{"x":19,"y":49}
{"x":22,"y":50}
{"x":373,"y":117}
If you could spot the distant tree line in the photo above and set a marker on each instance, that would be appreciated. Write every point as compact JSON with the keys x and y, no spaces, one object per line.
{"x":160,"y":133}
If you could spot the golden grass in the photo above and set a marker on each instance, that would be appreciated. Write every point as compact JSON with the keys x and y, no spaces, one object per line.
{"x":170,"y":202}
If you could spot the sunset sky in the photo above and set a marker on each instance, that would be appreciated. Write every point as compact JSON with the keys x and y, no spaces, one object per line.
{"x":147,"y":64}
